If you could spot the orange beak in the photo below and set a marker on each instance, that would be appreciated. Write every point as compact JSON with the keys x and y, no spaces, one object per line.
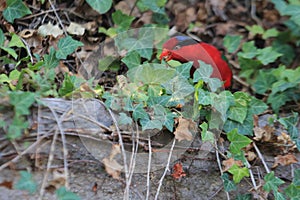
{"x":166,"y":55}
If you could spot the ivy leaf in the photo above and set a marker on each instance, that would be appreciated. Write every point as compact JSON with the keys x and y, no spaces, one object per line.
{"x":50,"y":60}
{"x":232,"y":42}
{"x":206,"y":135}
{"x":26,"y":182}
{"x":255,"y":29}
{"x":238,"y":172}
{"x":296,"y":179}
{"x":228,"y":184}
{"x":124,"y":119}
{"x":184,"y":70}
{"x":15,"y":9}
{"x":272,"y":182}
{"x":148,"y":124}
{"x":238,"y":141}
{"x":101,"y":6}
{"x":263,"y":81}
{"x":66,"y":46}
{"x":257,"y":106}
{"x":290,"y":123}
{"x":2,"y":37}
{"x":132,"y":59}
{"x":15,"y":41}
{"x":204,"y":97}
{"x":268,"y":55}
{"x":122,"y":20}
{"x":179,"y":88}
{"x":63,"y":194}
{"x":222,"y":102}
{"x":139,"y":113}
{"x":246,"y":128}
{"x":15,"y":128}
{"x":249,"y":50}
{"x":203,"y":73}
{"x":21,"y":101}
{"x":293,"y":192}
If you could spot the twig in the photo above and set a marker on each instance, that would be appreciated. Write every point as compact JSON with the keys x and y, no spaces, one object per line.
{"x":15,"y":159}
{"x":149,"y":167}
{"x":50,"y":159}
{"x":220,"y":166}
{"x":166,"y":170}
{"x":261,"y":158}
{"x":251,"y":175}
{"x":253,"y":13}
{"x":126,"y":195}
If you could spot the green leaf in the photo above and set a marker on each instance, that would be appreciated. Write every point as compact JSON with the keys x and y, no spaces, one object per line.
{"x":238,"y":141}
{"x":63,"y":194}
{"x":124,"y":119}
{"x":222,"y":102}
{"x":2,"y":37}
{"x":228,"y":184}
{"x":122,"y":20}
{"x":293,"y":192}
{"x":21,"y":101}
{"x":206,"y":135}
{"x":15,"y":9}
{"x":270,"y":33}
{"x":70,"y":84}
{"x":245,"y":129}
{"x":272,"y":182}
{"x":264,"y":81}
{"x":238,"y":173}
{"x":279,"y":196}
{"x":232,"y":42}
{"x":16,"y":127}
{"x":249,"y":50}
{"x":10,"y":51}
{"x":148,"y":124}
{"x":204,"y":97}
{"x":26,"y":183}
{"x":268,"y":55}
{"x":244,"y":197}
{"x":238,"y":113}
{"x":151,"y":74}
{"x":15,"y":41}
{"x":132,"y":59}
{"x":66,"y":46}
{"x":179,"y":88}
{"x":184,"y":70}
{"x":255,"y":29}
{"x":296,"y":179}
{"x":139,"y":113}
{"x":290,"y":123}
{"x":101,"y":6}
{"x":50,"y":60}
{"x":257,"y":106}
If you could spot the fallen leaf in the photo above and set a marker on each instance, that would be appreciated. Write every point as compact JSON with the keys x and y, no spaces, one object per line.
{"x":112,"y":167}
{"x":50,"y":29}
{"x":230,"y":162}
{"x":178,"y":171}
{"x":7,"y":184}
{"x":263,"y":134}
{"x":184,"y":129}
{"x":284,"y":160}
{"x":250,"y":155}
{"x":75,"y":29}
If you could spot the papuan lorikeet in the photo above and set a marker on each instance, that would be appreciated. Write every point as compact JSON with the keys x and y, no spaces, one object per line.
{"x":184,"y":49}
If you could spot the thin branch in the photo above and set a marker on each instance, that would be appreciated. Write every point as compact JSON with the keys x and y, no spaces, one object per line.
{"x":261,"y":158}
{"x":149,"y":167}
{"x":166,"y":170}
{"x":251,"y":175}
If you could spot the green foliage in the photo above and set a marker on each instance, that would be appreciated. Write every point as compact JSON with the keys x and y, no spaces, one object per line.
{"x":238,"y":173}
{"x":15,"y":9}
{"x":228,"y":184}
{"x":232,"y":42}
{"x":101,"y":6}
{"x":63,"y":194}
{"x":66,"y":46}
{"x":26,"y":183}
{"x":293,"y":191}
{"x":207,"y":135}
{"x":238,"y":141}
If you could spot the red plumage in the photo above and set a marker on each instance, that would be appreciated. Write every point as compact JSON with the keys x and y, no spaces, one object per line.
{"x":184,"y":49}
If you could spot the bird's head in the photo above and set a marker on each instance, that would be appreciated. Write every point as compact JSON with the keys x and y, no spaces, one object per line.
{"x":172,"y":47}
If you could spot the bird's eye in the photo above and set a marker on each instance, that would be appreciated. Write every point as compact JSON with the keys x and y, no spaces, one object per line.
{"x":177,"y":47}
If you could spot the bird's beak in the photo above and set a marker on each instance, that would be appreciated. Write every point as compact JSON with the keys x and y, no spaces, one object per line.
{"x":166,"y":55}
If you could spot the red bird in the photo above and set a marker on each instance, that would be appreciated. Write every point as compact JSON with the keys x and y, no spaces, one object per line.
{"x":185,"y":49}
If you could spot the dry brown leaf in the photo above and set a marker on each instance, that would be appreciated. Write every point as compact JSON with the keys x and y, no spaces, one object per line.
{"x":58,"y":180}
{"x":263,"y":134}
{"x":284,"y":138}
{"x":250,"y":155}
{"x":2,"y":5}
{"x":112,"y":167}
{"x":184,"y":129}
{"x":229,"y":162}
{"x":75,"y":29}
{"x":284,"y":160}
{"x":178,"y":171}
